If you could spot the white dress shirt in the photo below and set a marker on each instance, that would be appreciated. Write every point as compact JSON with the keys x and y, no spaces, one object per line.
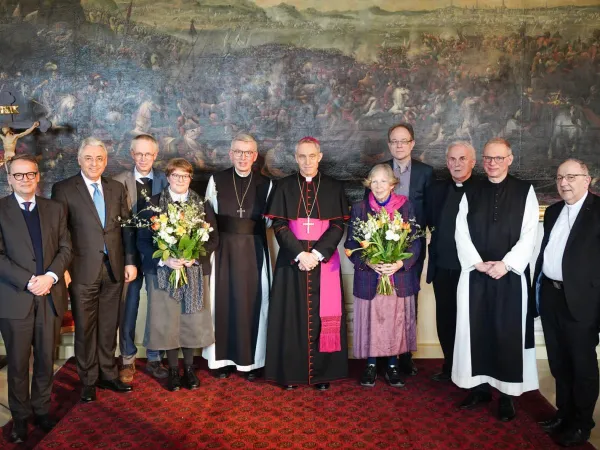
{"x":21,"y":200}
{"x":138,"y":176}
{"x":89,"y":183}
{"x":179,"y":197}
{"x":553,"y":255}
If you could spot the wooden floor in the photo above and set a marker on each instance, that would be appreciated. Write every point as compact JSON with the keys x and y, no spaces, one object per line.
{"x":546,"y":388}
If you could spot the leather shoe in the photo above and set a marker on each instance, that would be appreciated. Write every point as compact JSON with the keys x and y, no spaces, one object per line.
{"x":573,"y":437}
{"x":474,"y":399}
{"x":408,"y":367}
{"x":322,"y":386}
{"x":174,"y":381}
{"x":45,"y":422}
{"x":506,"y":409}
{"x":190,"y":379}
{"x":88,"y":394}
{"x":253,"y":375}
{"x":442,"y":377}
{"x":18,"y":433}
{"x":552,"y":425}
{"x":290,"y":387}
{"x":222,"y":373}
{"x":115,"y":385}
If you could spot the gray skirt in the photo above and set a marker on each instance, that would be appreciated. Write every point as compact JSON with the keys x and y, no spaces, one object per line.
{"x":168,"y":328}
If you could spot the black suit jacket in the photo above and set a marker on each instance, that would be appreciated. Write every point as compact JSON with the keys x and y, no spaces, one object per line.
{"x":17,"y":259}
{"x":435,"y":201}
{"x":87,"y":233}
{"x":581,"y":259}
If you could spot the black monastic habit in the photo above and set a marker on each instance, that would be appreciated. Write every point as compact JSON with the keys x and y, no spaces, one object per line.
{"x":239,"y":263}
{"x":293,"y":355}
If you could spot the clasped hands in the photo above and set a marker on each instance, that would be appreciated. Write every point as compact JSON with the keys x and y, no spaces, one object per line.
{"x":495,"y":269}
{"x":386,"y":269}
{"x":178,"y":263}
{"x":40,"y":285}
{"x":307,"y":261}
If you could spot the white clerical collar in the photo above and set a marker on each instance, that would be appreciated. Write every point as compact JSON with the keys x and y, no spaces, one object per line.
{"x":179,"y":197}
{"x":138,"y":176}
{"x":459,"y":184}
{"x":243,"y":175}
{"x":309,"y":179}
{"x":578,"y":204}
{"x":21,"y":200}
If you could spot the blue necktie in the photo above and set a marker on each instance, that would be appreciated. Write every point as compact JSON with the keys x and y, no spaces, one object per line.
{"x":27,"y":205}
{"x":99,"y":203}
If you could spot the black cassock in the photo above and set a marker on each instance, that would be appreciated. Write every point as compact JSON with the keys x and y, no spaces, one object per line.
{"x":293,"y":355}
{"x":241,"y":269}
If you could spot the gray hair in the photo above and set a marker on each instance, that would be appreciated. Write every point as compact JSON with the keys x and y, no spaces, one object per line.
{"x":464,"y":144}
{"x":389,"y":171}
{"x":244,"y":137}
{"x":583,"y":166}
{"x":144,"y":137}
{"x":91,"y":142}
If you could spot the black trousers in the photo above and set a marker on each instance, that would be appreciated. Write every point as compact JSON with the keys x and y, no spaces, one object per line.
{"x":96,"y":310}
{"x":38,"y":329}
{"x":571,"y":347}
{"x":445,"y":285}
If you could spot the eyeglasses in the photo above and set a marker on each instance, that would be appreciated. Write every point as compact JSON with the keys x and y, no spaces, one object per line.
{"x":242,"y":154}
{"x":143,"y":155}
{"x":498,"y":159}
{"x":181,"y":177}
{"x":395,"y":142}
{"x":570,"y":177}
{"x":21,"y":176}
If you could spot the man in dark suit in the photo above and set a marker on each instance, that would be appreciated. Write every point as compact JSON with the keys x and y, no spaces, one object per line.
{"x":140,"y":183}
{"x":415,"y":179}
{"x":443,"y":268}
{"x":104,"y":258}
{"x":35,"y":250}
{"x":568,"y":285}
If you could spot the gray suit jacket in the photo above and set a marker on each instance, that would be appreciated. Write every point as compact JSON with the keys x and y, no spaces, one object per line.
{"x":127,"y":179}
{"x":87,"y":233}
{"x":17,"y":259}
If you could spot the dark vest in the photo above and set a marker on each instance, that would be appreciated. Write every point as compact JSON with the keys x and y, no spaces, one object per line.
{"x":32,"y":219}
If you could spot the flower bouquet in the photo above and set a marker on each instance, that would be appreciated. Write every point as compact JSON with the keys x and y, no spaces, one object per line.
{"x":384,"y":240}
{"x":180,"y":232}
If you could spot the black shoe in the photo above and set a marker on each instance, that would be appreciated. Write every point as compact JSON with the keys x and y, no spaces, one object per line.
{"x":45,"y":422}
{"x":474,"y":399}
{"x":442,"y":377}
{"x":392,"y":375}
{"x":253,"y":375}
{"x":369,"y":376}
{"x":88,"y":394}
{"x":573,"y":437}
{"x":18,"y":433}
{"x":322,"y":386}
{"x":174,"y":380}
{"x":553,"y":425}
{"x":115,"y":385}
{"x":190,"y":379}
{"x":289,"y":387}
{"x":406,"y":365}
{"x":222,"y":373}
{"x":506,"y":409}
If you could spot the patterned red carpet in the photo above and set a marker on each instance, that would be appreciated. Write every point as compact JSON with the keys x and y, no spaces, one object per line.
{"x":234,"y":413}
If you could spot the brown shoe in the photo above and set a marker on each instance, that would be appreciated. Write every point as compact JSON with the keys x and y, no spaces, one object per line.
{"x":126,"y":373}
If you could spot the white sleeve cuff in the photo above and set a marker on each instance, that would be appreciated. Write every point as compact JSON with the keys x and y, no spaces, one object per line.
{"x":53,"y":275}
{"x":317,"y":254}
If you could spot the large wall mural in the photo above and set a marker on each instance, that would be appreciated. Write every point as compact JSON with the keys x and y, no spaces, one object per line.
{"x":196,"y":72}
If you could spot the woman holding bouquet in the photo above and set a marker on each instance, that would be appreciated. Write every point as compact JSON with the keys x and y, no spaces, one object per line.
{"x":384,"y":325}
{"x":178,"y":309}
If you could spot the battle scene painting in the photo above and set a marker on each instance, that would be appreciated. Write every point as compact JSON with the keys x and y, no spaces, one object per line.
{"x":194,"y":73}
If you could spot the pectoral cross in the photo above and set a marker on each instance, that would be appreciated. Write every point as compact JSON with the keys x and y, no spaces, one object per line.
{"x":308,"y":224}
{"x":241,"y":211}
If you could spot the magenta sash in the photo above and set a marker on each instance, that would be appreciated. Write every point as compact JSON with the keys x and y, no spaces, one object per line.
{"x":330,"y":293}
